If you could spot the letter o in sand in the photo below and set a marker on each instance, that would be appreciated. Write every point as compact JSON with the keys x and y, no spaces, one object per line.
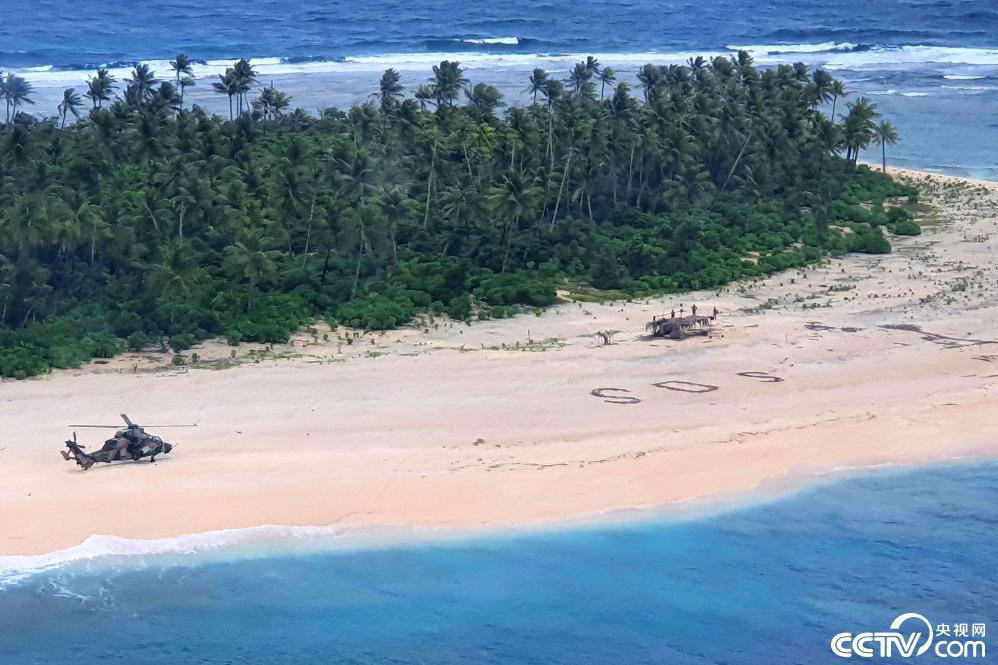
{"x":686,"y":386}
{"x":765,"y":377}
{"x":614,"y":399}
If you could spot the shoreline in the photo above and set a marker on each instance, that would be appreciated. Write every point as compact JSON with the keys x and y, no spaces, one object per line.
{"x":495,"y":425}
{"x":270,"y":540}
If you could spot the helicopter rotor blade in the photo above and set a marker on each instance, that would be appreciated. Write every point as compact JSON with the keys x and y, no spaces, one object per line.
{"x":134,"y":425}
{"x":162,"y":426}
{"x":99,"y":426}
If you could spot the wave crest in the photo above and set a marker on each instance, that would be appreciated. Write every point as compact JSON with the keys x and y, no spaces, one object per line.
{"x":516,"y":52}
{"x":777,"y":49}
{"x":98,"y":548}
{"x":504,"y":41}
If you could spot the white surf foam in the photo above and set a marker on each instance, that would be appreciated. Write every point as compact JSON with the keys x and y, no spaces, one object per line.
{"x":228,"y":544}
{"x":14,"y":568}
{"x":963,"y":77}
{"x":832,"y":55}
{"x":772,"y":49}
{"x":505,"y":41}
{"x":909,"y":56}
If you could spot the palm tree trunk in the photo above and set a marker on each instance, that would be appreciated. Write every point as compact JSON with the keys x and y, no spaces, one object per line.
{"x":356,"y":273}
{"x":429,"y":183}
{"x":308,"y":233}
{"x":467,"y":160}
{"x":509,"y":240}
{"x":561,"y":188}
{"x":393,"y":229}
{"x":883,"y":148}
{"x":551,"y":133}
{"x":630,"y":174}
{"x":325,"y":267}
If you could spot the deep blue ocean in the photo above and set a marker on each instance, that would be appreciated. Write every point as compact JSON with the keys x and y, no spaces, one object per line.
{"x":931,"y":65}
{"x":766,"y":584}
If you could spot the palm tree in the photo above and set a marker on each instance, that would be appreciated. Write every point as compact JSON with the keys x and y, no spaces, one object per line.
{"x":140,"y":85}
{"x":280,"y":102}
{"x":16,"y":91}
{"x":424,"y":95}
{"x":485,"y":99}
{"x":447,"y":82}
{"x":513,"y":199}
{"x":227,"y":85}
{"x":579,"y":77}
{"x":837,"y":89}
{"x":184,"y":72}
{"x":249,"y":260}
{"x":389,"y":89}
{"x":859,"y":127}
{"x":71,"y":103}
{"x":166,"y":96}
{"x":244,"y":77}
{"x":885,"y":133}
{"x":28,"y":223}
{"x":538,"y":79}
{"x":99,"y":87}
{"x":271,"y":102}
{"x":821,"y":88}
{"x":650,"y":78}
{"x":592,"y":66}
{"x":606,"y":77}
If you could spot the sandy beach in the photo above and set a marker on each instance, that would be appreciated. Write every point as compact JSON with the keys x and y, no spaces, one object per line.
{"x":865,"y":360}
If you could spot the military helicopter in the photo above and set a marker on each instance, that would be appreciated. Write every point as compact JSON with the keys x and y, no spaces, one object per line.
{"x":131,"y":442}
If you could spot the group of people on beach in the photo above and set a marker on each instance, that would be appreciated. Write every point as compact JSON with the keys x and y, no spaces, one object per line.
{"x":693,"y":309}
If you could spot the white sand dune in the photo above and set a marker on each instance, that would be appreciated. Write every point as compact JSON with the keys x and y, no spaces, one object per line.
{"x":495,"y":423}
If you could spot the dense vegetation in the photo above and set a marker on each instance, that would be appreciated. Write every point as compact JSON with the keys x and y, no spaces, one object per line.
{"x":144,"y":222}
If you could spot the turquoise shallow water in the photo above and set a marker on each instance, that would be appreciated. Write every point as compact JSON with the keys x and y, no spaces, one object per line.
{"x":766,"y":584}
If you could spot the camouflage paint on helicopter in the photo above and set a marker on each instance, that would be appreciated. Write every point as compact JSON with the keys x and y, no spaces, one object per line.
{"x":131,"y":442}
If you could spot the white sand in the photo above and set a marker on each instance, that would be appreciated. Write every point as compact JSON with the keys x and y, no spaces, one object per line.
{"x":430,"y":429}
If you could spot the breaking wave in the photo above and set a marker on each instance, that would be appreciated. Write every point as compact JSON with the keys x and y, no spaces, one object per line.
{"x":250,"y":542}
{"x":504,"y":41}
{"x":774,"y":49}
{"x":512,"y":54}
